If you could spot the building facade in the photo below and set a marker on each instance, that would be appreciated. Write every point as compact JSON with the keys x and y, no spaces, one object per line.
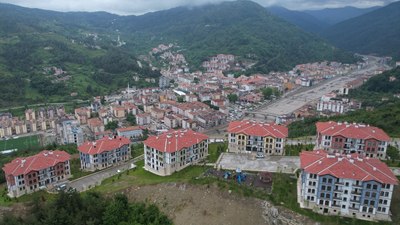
{"x":248,"y":136}
{"x":37,"y":172}
{"x":352,"y":138}
{"x":104,"y":153}
{"x":173,"y":151}
{"x":345,"y":185}
{"x":133,"y":132}
{"x":70,"y":132}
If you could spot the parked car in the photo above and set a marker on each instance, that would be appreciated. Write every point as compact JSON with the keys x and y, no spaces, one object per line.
{"x":260,"y":155}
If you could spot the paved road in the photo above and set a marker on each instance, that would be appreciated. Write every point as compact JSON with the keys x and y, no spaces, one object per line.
{"x":293,"y":101}
{"x":94,"y":179}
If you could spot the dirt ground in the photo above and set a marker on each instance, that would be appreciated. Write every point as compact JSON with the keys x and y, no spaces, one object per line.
{"x":189,"y":204}
{"x":196,"y":205}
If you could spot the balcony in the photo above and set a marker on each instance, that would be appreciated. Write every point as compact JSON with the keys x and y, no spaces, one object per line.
{"x":356,"y":192}
{"x":354,"y":208}
{"x":355,"y":200}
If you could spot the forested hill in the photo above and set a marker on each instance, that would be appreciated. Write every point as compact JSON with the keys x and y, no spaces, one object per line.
{"x":301,"y":19}
{"x":374,"y":32}
{"x":241,"y":28}
{"x":47,"y":56}
{"x":98,"y":52}
{"x":333,"y":16}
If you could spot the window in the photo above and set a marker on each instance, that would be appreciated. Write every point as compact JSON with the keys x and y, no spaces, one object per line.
{"x":343,"y":206}
{"x":368,"y":186}
{"x":324,"y":180}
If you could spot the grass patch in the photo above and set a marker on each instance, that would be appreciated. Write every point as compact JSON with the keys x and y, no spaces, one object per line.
{"x":20,"y":143}
{"x":137,"y":150}
{"x":140,"y":176}
{"x":294,"y":150}
{"x":76,"y":170}
{"x":215,"y":150}
{"x":7,"y":201}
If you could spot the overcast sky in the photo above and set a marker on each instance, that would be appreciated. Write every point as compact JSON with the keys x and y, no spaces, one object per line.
{"x":137,"y":7}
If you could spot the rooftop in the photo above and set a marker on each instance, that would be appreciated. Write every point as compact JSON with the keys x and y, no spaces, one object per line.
{"x":175,"y":140}
{"x":346,"y":166}
{"x":348,"y":130}
{"x":103,"y":145}
{"x":40,"y":161}
{"x":258,"y":129}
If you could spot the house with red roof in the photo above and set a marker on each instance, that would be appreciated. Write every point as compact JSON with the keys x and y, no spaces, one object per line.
{"x":352,"y":138}
{"x":174,"y":150}
{"x":250,"y":136}
{"x":33,"y":173}
{"x":103,"y":153}
{"x":349,"y":185}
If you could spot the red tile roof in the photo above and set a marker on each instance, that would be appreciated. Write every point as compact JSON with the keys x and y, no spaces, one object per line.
{"x":103,"y":145}
{"x":258,"y":129}
{"x":357,"y":131}
{"x":175,"y":140}
{"x":40,"y":161}
{"x":346,"y":166}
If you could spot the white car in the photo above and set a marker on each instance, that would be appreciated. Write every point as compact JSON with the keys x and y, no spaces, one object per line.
{"x":260,"y":155}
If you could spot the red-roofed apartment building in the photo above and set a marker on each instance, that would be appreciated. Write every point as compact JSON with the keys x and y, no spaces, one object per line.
{"x":30,"y":174}
{"x":173,"y":151}
{"x":345,"y":185}
{"x":248,"y":136}
{"x":350,"y":138}
{"x":104,"y":153}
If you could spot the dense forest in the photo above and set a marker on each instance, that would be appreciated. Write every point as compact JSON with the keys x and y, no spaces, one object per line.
{"x":377,"y":93}
{"x":71,"y":208}
{"x":375,"y":32}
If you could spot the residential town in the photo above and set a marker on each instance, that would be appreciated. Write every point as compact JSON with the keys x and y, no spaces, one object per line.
{"x":177,"y":121}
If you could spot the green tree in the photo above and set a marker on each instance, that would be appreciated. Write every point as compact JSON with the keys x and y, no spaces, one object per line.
{"x":267,"y":92}
{"x":131,"y":119}
{"x":233,"y":98}
{"x":180,"y":99}
{"x":393,"y":153}
{"x":111,"y":125}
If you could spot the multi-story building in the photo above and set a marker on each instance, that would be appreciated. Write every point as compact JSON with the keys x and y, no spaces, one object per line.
{"x":173,"y":151}
{"x":249,"y":136}
{"x":346,"y":185}
{"x":104,"y":153}
{"x":133,"y":132}
{"x":70,"y":132}
{"x":33,"y":173}
{"x":350,"y":138}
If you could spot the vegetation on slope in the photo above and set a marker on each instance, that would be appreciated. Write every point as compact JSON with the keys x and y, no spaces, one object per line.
{"x":375,"y":32}
{"x":91,"y":208}
{"x":242,"y":28}
{"x":386,"y":113}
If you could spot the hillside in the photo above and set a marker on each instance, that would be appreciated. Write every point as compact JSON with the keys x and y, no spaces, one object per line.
{"x":242,"y":28}
{"x":333,"y":16}
{"x":45,"y":56}
{"x":385,"y":114}
{"x":375,"y":32}
{"x":301,"y":19}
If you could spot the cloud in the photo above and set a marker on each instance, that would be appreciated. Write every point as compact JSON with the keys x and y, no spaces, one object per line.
{"x":136,"y":7}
